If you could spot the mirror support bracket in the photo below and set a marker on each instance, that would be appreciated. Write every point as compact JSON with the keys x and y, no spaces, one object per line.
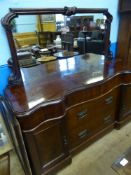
{"x":108,"y":21}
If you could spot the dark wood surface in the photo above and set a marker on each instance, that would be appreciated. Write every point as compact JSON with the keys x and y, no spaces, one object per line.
{"x":124,"y":6}
{"x":60,"y":107}
{"x":58,"y":80}
{"x":54,"y":107}
{"x":63,"y":75}
{"x":124,"y":35}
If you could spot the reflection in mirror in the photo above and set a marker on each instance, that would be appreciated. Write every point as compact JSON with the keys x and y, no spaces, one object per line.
{"x":30,"y":24}
{"x":40,"y":36}
{"x":24,"y":31}
{"x":89,"y":32}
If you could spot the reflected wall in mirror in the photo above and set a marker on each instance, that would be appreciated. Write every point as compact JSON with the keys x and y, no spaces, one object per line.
{"x":24,"y":31}
{"x":33,"y":33}
{"x":42,"y":30}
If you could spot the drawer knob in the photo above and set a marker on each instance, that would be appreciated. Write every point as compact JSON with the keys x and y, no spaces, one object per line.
{"x":108,"y":119}
{"x":82,"y":114}
{"x":83,"y":134}
{"x":109,"y":100}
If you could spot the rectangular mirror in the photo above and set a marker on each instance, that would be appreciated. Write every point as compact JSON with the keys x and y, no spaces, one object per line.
{"x":43,"y":30}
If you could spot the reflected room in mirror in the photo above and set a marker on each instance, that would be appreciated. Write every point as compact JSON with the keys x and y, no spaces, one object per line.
{"x":37,"y":36}
{"x":47,"y":30}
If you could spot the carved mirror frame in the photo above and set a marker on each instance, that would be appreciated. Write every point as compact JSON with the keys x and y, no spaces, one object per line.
{"x":15,"y":78}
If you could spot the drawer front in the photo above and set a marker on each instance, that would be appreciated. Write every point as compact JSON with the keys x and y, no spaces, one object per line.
{"x":80,"y":115}
{"x":85,"y":120}
{"x":94,"y":110}
{"x":79,"y":135}
{"x":103,"y":120}
{"x":89,"y":128}
{"x":107,"y":102}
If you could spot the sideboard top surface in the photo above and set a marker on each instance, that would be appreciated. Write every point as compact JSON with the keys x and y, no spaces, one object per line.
{"x":51,"y":82}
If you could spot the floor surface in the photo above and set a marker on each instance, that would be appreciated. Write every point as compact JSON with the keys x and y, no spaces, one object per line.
{"x":122,"y":165}
{"x":95,"y":159}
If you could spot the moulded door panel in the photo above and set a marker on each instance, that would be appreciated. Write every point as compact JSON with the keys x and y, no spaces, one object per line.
{"x":46,"y":146}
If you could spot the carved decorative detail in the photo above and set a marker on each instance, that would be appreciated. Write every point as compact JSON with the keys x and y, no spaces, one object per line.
{"x":13,"y":79}
{"x":109,"y":16}
{"x":7,"y":19}
{"x":69,"y":11}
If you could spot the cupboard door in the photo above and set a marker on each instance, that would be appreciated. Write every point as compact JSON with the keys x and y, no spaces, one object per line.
{"x":46,"y":145}
{"x":125,"y":108}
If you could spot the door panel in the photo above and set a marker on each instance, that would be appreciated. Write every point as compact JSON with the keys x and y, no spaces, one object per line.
{"x":46,"y":145}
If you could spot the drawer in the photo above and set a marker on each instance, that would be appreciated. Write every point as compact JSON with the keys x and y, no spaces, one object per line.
{"x":79,"y":135}
{"x":89,"y":127}
{"x":80,"y":115}
{"x":92,"y":111}
{"x":103,"y":120}
{"x":106,"y":102}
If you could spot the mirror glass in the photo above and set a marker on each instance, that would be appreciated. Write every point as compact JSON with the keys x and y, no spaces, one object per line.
{"x":40,"y":35}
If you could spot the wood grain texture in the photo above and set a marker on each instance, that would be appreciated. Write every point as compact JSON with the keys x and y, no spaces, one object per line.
{"x":72,"y":81}
{"x":124,"y":35}
{"x":64,"y":105}
{"x":124,"y":6}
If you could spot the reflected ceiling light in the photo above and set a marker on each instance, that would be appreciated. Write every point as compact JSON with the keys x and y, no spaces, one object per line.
{"x":23,"y":76}
{"x":31,"y":104}
{"x":124,"y":162}
{"x":95,"y":79}
{"x":102,"y":57}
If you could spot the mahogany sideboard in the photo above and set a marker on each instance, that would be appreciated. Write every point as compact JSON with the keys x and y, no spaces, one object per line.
{"x":64,"y":105}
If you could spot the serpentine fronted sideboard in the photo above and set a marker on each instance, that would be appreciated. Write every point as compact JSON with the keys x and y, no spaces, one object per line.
{"x":64,"y":105}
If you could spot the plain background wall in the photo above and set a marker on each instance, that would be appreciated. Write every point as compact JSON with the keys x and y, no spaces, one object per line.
{"x":112,"y":5}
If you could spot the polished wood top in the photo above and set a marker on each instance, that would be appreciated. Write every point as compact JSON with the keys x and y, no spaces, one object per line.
{"x":53,"y":81}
